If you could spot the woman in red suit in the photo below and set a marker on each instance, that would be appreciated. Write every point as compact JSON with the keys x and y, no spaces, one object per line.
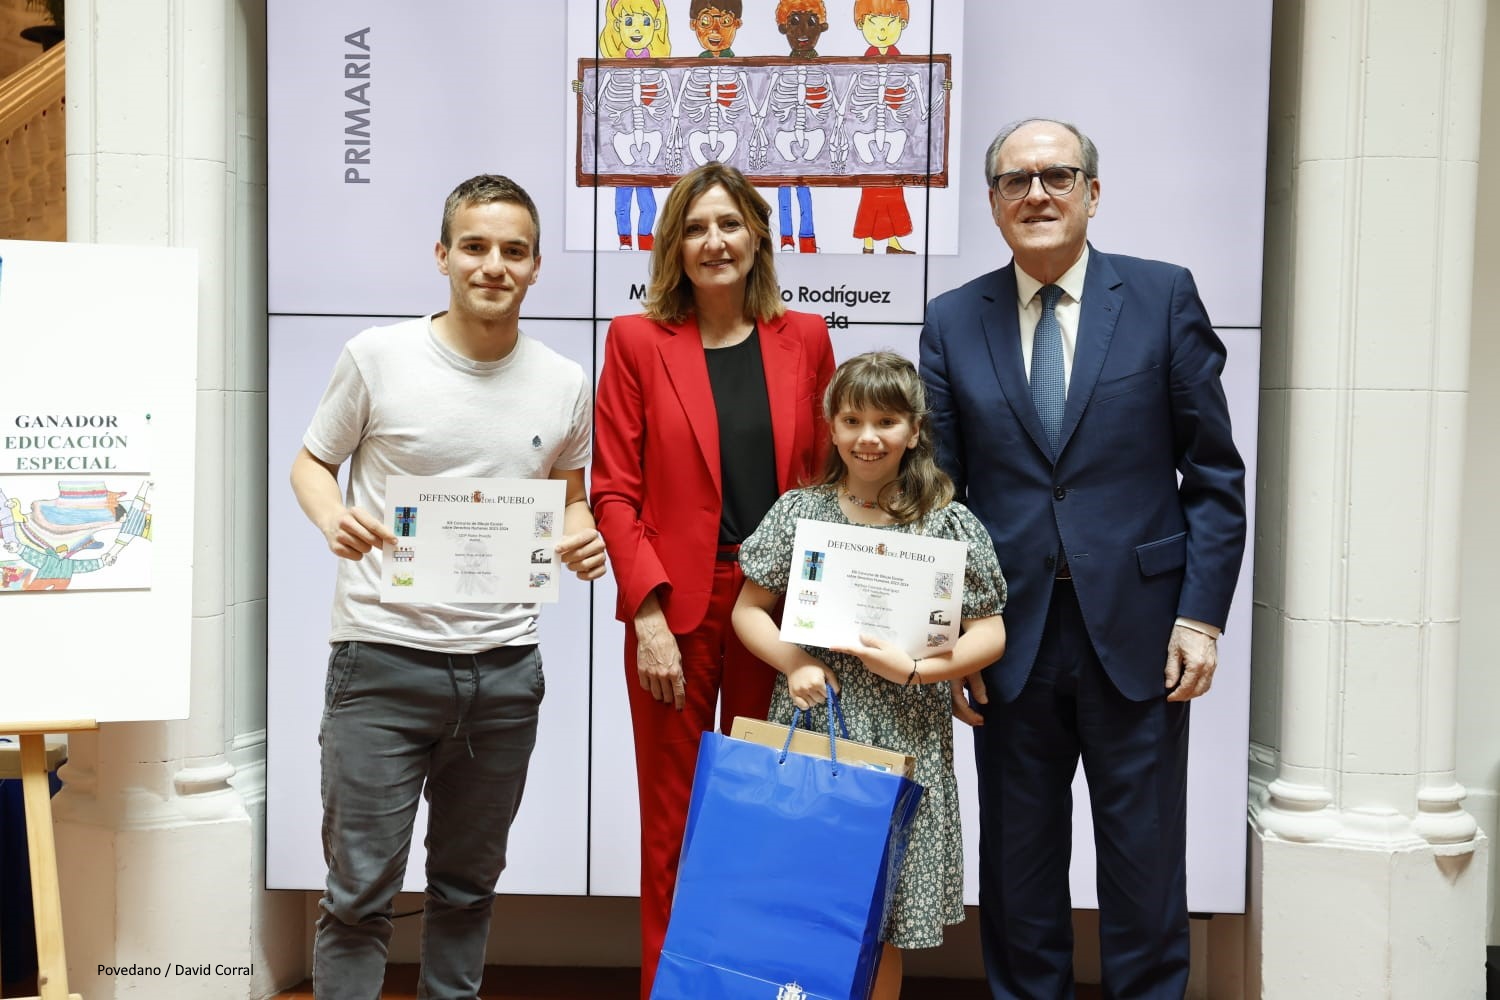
{"x":708,"y":410}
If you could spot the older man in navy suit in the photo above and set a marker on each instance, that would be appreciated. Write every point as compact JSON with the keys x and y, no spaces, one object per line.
{"x":1078,"y":407}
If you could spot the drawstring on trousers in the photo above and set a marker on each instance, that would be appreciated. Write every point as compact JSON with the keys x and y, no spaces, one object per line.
{"x":458,"y":701}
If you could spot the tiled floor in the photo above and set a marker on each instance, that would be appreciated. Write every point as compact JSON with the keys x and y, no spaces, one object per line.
{"x":621,"y":984}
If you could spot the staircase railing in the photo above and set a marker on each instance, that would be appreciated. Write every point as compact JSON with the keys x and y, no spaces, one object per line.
{"x":33,"y":204}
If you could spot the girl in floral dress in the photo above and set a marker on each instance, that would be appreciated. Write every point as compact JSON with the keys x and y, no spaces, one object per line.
{"x":881,"y":472}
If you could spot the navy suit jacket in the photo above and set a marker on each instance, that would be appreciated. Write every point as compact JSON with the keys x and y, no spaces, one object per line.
{"x":1145,"y":405}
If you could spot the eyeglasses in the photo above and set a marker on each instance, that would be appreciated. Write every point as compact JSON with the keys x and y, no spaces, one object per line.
{"x":1057,"y":180}
{"x":707,"y":20}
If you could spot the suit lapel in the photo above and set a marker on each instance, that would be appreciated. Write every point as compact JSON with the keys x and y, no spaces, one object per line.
{"x":682,"y":356}
{"x":1099,"y":312}
{"x":1002,"y":333}
{"x":780,"y":353}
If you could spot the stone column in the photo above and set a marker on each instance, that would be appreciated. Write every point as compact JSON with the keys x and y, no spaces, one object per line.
{"x":160,"y":855}
{"x":1368,"y":876}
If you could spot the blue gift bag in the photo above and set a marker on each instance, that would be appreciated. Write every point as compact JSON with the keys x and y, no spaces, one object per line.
{"x":788,"y":865}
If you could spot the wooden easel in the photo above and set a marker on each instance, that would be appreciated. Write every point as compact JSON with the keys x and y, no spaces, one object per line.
{"x":46,"y":900}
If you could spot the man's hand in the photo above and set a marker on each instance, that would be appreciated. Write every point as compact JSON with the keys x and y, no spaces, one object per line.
{"x":963,"y":705}
{"x":806,"y":685}
{"x":583,"y":553}
{"x":1191,"y":659}
{"x":658,"y":662}
{"x":355,"y":532}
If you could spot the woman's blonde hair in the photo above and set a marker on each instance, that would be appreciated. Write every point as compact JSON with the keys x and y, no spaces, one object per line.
{"x":669,"y":294}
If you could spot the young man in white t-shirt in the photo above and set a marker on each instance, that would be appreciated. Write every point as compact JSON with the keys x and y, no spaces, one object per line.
{"x":437,"y":695}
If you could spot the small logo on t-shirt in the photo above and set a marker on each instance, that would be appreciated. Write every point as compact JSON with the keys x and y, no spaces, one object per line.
{"x":536,"y":441}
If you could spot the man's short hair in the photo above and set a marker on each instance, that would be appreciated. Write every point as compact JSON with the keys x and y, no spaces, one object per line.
{"x":485,"y":189}
{"x":735,"y":7}
{"x":1090,"y":152}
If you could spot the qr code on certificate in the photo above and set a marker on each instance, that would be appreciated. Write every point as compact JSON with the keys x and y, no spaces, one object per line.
{"x":942,"y":586}
{"x":543,"y":525}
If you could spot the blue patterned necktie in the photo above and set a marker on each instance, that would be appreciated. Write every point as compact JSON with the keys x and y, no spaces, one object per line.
{"x":1048,"y":384}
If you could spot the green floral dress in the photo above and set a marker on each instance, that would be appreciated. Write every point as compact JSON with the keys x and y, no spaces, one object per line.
{"x":912,"y":720}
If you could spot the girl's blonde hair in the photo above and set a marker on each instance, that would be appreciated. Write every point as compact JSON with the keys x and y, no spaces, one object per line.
{"x":612,"y":45}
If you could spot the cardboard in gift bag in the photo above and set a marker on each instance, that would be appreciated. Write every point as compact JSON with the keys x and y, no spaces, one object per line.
{"x":773,"y":734}
{"x":788,"y":865}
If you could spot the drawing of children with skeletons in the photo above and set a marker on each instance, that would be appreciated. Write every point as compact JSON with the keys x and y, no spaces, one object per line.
{"x":884,"y":97}
{"x":633,"y":103}
{"x":714,"y":97}
{"x":777,"y":106}
{"x":801,"y":99}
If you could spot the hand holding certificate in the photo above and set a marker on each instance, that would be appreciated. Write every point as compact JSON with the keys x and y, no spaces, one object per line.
{"x":849,"y":581}
{"x":472,"y":541}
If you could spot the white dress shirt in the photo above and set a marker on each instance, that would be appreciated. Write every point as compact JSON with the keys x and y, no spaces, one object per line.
{"x":1068,"y":307}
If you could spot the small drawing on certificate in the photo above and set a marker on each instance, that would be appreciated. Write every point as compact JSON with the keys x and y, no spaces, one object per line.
{"x":942,"y":586}
{"x":542,"y":527}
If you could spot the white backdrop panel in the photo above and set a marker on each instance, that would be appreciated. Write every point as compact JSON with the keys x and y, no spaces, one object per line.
{"x":454,"y":91}
{"x":548,"y":845}
{"x":1174,"y":93}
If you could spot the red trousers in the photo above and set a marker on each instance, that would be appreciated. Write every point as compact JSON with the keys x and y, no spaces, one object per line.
{"x":718,"y":670}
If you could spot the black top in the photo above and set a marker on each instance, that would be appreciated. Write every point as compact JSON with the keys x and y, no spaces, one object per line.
{"x":747,"y":447}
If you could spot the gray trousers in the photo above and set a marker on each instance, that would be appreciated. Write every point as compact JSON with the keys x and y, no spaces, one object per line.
{"x":398,"y":723}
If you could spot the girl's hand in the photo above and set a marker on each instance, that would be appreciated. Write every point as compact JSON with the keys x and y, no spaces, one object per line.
{"x":805,"y":685}
{"x":881,"y":658}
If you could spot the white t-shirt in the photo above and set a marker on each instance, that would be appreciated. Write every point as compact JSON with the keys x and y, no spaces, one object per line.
{"x":401,"y":403}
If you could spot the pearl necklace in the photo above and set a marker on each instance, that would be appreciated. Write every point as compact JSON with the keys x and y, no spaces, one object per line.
{"x":866,"y":504}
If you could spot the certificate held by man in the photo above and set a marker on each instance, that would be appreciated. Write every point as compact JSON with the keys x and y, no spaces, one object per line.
{"x":850,"y":580}
{"x":471,"y":540}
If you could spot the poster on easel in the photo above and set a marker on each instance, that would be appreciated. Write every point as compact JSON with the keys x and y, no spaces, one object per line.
{"x":98,"y":409}
{"x":75,"y":494}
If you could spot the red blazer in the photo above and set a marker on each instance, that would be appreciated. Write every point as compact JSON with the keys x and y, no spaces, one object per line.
{"x":657,"y":493}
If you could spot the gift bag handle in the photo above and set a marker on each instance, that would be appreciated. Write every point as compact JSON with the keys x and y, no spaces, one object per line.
{"x":834,"y":711}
